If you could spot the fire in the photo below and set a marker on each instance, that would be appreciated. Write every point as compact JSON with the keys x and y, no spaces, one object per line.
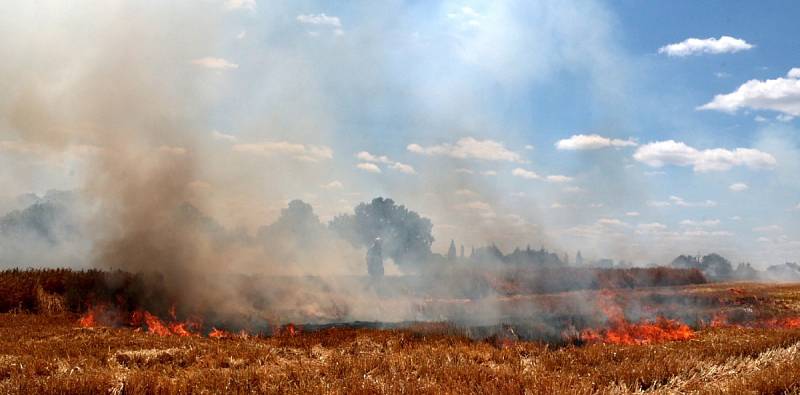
{"x":640,"y":333}
{"x":620,"y":331}
{"x":88,"y":320}
{"x":218,"y":334}
{"x":290,"y":330}
{"x":141,"y":320}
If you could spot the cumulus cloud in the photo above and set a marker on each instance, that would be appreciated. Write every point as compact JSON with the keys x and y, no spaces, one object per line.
{"x":466,"y":17}
{"x":694,"y":46}
{"x":526,"y":174}
{"x":240,"y":4}
{"x":653,"y":227}
{"x":738,"y":187}
{"x":680,"y":202}
{"x":591,"y":142}
{"x":215,"y":63}
{"x":768,"y":229}
{"x":702,"y":223}
{"x":320,"y":19}
{"x":779,"y":94}
{"x":632,"y":214}
{"x":303,"y":152}
{"x":370,"y":167}
{"x":470,"y":148}
{"x":333,"y":185}
{"x":403,"y":168}
{"x":671,"y":152}
{"x":365,"y":156}
{"x":558,"y":179}
{"x":611,"y":222}
{"x":217,"y":135}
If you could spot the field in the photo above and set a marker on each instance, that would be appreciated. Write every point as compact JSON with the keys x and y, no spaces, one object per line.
{"x":751,"y":345}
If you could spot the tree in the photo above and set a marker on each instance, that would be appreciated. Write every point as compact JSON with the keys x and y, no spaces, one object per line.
{"x":405,"y":235}
{"x":297,"y":222}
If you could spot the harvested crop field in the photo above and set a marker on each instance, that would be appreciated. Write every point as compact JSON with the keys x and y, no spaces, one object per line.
{"x":52,"y":353}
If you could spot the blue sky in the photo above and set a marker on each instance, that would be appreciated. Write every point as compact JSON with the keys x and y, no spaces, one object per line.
{"x":586,"y":125}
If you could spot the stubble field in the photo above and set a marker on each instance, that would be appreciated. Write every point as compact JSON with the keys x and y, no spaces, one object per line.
{"x":52,"y":354}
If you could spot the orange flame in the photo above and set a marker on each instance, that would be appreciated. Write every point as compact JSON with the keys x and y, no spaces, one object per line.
{"x":620,"y":331}
{"x":219,"y":334}
{"x":642,"y":333}
{"x":88,"y":320}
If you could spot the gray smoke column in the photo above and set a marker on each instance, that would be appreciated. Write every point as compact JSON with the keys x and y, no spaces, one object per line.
{"x":111,"y":81}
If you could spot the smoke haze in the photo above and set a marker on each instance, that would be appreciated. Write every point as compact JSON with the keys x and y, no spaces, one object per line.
{"x":182,"y":139}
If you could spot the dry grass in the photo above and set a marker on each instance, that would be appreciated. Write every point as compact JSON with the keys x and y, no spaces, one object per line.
{"x":49,"y":355}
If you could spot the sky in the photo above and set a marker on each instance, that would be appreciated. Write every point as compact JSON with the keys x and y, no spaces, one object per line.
{"x":629,"y":130}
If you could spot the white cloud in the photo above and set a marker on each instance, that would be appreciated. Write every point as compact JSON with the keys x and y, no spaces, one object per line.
{"x":465,"y":171}
{"x":658,"y":203}
{"x":780,"y":94}
{"x":722,"y":74}
{"x":797,"y":207}
{"x":241,"y":35}
{"x":223,"y":136}
{"x":489,"y":173}
{"x":320,"y":20}
{"x":304,"y":152}
{"x":650,"y":228}
{"x":403,"y":168}
{"x":784,"y":118}
{"x":466,"y":17}
{"x":592,"y":141}
{"x":470,"y":148}
{"x":703,"y":223}
{"x":768,"y":228}
{"x":558,"y":179}
{"x":526,"y":174}
{"x":383,"y":159}
{"x":705,"y":233}
{"x":759,"y":118}
{"x":632,"y":214}
{"x":370,"y":167}
{"x":611,"y":222}
{"x":240,"y":4}
{"x":465,"y":192}
{"x":671,"y":152}
{"x":333,"y":185}
{"x":528,"y":147}
{"x":736,"y":218}
{"x":738,"y":187}
{"x":680,"y":202}
{"x":693,"y":46}
{"x":367,"y":157}
{"x":215,"y":63}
